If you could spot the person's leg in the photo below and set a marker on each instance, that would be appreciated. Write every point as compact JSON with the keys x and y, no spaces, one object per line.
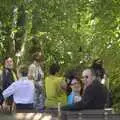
{"x":39,"y":97}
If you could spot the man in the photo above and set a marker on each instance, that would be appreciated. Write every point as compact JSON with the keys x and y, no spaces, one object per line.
{"x":95,"y":94}
{"x":22,"y":90}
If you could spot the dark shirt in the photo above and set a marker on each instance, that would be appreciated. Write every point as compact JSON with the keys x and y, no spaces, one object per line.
{"x":94,"y":97}
{"x":7,"y":77}
{"x":7,"y":80}
{"x":1,"y":97}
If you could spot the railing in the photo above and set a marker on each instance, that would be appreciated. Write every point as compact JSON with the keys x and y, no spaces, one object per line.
{"x":53,"y":114}
{"x":96,"y":114}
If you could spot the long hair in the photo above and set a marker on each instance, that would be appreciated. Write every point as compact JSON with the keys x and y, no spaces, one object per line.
{"x":69,"y":90}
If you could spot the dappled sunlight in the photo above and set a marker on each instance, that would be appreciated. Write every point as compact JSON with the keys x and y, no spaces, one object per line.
{"x":32,"y":116}
{"x":37,"y":116}
{"x":29,"y":115}
{"x":47,"y":117}
{"x":20,"y":116}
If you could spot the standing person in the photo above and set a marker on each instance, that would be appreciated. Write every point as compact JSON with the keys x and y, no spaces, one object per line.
{"x":7,"y":78}
{"x":54,"y":88}
{"x":95,"y":93}
{"x":22,"y":90}
{"x":35,"y":71}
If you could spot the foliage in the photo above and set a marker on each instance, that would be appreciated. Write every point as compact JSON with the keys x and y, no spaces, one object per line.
{"x":69,"y":32}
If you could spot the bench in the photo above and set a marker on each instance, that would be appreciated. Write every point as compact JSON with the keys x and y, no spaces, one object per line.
{"x":53,"y":114}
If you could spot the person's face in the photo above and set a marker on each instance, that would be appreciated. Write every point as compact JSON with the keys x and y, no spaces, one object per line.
{"x":9,"y":63}
{"x":75,"y":85}
{"x":87,"y":77}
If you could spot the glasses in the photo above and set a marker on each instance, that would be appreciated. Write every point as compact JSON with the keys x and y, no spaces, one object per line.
{"x":85,"y":77}
{"x":75,"y":83}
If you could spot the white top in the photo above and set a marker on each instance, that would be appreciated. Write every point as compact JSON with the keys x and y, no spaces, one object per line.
{"x":34,"y":70}
{"x":22,"y":90}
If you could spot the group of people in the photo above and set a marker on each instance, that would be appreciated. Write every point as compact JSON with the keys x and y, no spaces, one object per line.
{"x":30,"y":89}
{"x":23,"y":89}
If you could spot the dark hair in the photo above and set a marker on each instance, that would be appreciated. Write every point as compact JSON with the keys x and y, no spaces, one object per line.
{"x":97,"y":65}
{"x":23,"y":69}
{"x":71,"y":74}
{"x":54,"y":68}
{"x":69,"y":90}
{"x":7,"y":58}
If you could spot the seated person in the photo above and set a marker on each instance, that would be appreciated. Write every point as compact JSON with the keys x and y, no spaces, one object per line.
{"x":95,"y":93}
{"x":53,"y":85}
{"x":76,"y":91}
{"x":22,"y":90}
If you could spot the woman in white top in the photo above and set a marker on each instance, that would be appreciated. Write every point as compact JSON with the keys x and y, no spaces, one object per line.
{"x":37,"y":75}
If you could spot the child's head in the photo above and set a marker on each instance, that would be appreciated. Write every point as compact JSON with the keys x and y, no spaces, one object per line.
{"x":23,"y":71}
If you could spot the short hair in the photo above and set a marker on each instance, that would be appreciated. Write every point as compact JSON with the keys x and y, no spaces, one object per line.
{"x":98,"y":68}
{"x":23,"y":69}
{"x":54,"y":68}
{"x":7,"y":58}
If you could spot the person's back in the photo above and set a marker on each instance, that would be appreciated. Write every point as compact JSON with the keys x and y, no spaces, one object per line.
{"x":54,"y":93}
{"x":97,"y":95}
{"x":53,"y":85}
{"x":22,"y":86}
{"x":22,"y":90}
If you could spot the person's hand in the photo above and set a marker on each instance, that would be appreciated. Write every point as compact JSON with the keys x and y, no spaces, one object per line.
{"x":77,"y":99}
{"x":5,"y":107}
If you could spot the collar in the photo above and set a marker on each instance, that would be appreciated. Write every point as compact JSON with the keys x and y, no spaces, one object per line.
{"x":24,"y":78}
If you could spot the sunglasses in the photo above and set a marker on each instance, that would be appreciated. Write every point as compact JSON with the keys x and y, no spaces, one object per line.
{"x":86,"y":77}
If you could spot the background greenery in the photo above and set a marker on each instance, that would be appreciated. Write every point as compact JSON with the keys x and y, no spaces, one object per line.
{"x":71,"y":32}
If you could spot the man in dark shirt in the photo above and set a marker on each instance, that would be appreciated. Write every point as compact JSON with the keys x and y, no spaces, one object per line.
{"x":95,"y":94}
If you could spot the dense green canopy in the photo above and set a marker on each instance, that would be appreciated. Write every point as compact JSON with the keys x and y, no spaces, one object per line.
{"x":70,"y":32}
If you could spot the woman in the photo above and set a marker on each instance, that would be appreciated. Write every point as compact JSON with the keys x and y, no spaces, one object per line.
{"x":76,"y":86}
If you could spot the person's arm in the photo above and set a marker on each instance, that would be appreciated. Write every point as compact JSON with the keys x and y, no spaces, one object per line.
{"x":31,"y":72}
{"x":9,"y":91}
{"x":0,"y":79}
{"x":70,"y":99}
{"x":41,"y":72}
{"x":63,"y":85}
